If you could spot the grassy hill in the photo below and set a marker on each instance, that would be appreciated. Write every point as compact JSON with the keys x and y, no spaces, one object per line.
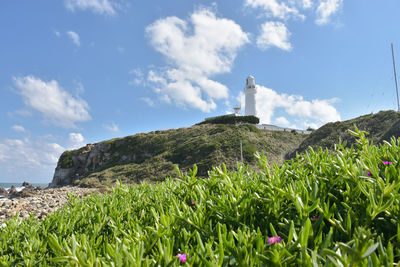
{"x":153,"y":156}
{"x":380,"y":126}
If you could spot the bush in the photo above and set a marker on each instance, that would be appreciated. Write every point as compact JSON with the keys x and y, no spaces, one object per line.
{"x":249,"y":151}
{"x":232,"y":119}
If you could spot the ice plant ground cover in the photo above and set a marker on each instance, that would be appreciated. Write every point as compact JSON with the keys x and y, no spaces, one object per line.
{"x":322,"y":207}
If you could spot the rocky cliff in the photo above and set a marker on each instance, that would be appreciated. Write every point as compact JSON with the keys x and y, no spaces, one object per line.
{"x":153,"y":156}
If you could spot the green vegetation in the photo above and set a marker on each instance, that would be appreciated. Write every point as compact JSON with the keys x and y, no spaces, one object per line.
{"x":232,"y":119}
{"x":381,"y":126}
{"x":339,"y":208}
{"x":65,"y":160}
{"x":152,"y":156}
{"x":129,"y":173}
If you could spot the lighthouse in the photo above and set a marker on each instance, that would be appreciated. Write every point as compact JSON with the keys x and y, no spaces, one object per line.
{"x":250,"y":97}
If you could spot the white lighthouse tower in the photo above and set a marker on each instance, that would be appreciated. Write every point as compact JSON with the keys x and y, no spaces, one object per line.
{"x":250,"y":97}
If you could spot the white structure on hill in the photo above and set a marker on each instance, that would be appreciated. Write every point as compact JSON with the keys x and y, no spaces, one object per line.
{"x":237,"y":110}
{"x":250,"y":97}
{"x":250,"y":109}
{"x":280,"y":129}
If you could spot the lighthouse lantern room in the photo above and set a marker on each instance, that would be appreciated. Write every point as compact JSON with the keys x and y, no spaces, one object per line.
{"x":250,"y":97}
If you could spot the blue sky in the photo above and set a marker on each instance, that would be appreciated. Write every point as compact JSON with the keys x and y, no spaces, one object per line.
{"x":74,"y":72}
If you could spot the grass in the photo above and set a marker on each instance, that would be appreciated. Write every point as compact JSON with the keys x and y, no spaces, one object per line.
{"x":325,"y":207}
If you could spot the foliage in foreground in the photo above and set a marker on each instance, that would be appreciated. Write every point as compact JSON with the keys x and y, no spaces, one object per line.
{"x":331,"y":209}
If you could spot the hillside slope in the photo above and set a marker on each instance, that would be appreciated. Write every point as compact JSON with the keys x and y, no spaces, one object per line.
{"x":380,"y":126}
{"x":153,"y":156}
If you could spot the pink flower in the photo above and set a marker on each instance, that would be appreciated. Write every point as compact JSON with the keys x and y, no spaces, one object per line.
{"x":387,"y":162}
{"x":274,"y":239}
{"x":314,"y":217}
{"x":369,"y":173}
{"x":192,"y":202}
{"x":182,"y":257}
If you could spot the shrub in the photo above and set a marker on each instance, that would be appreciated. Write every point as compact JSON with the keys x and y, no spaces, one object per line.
{"x":232,"y":119}
{"x":249,"y":151}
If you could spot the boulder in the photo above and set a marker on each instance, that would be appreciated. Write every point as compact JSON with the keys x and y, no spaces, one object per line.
{"x":27,"y":185}
{"x":3,"y":192}
{"x":12,"y":192}
{"x":27,"y":192}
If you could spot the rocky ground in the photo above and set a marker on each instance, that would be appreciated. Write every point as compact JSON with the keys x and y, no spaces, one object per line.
{"x":38,"y":201}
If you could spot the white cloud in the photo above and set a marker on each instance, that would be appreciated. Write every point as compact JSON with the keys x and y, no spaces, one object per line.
{"x":288,"y":9}
{"x":22,"y":158}
{"x":282,"y":121}
{"x":306,"y":3}
{"x":276,"y":8}
{"x":102,"y":7}
{"x":195,"y":51}
{"x":56,"y":105}
{"x":76,"y":140}
{"x":274,"y":34}
{"x":326,"y":9}
{"x":74,"y":37}
{"x":112,"y":127}
{"x":149,"y":101}
{"x":138,"y":77}
{"x":18,"y":128}
{"x":57,"y":33}
{"x":311,"y":125}
{"x":314,"y":112}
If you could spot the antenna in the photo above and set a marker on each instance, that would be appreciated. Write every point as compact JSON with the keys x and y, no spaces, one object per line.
{"x":395,"y":80}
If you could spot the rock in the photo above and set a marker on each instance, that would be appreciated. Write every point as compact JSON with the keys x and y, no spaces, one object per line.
{"x":40,"y":204}
{"x":27,"y":185}
{"x":27,"y":192}
{"x":3,"y":192}
{"x":62,"y":176}
{"x":7,"y":203}
{"x":74,"y":165}
{"x":11,"y":213}
{"x":12,"y":192}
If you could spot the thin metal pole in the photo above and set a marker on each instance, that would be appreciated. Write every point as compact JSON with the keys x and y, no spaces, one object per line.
{"x":395,"y":80}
